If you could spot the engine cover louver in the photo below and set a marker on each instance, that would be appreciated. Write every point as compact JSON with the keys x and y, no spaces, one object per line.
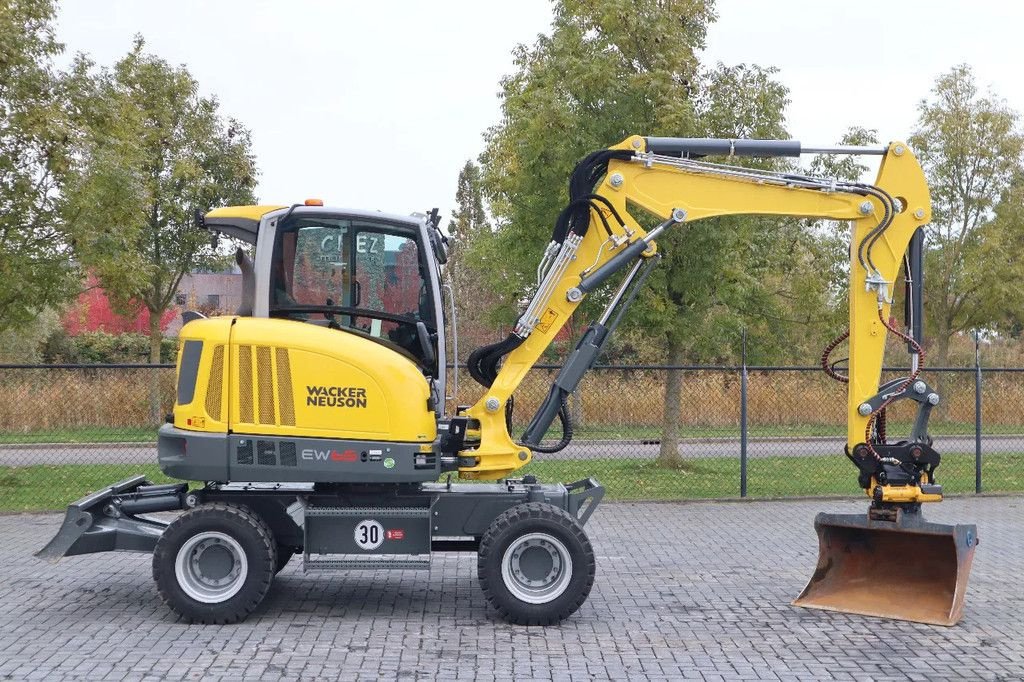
{"x":264,"y":386}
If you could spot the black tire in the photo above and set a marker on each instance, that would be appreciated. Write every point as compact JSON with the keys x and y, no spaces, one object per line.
{"x":284,"y":555}
{"x":553,"y":531}
{"x":239,"y":532}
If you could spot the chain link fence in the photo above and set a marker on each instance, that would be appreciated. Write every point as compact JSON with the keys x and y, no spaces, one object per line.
{"x":741,"y":432}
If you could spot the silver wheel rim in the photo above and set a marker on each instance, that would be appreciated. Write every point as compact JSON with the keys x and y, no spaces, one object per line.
{"x":211,"y":567}
{"x":536,"y":568}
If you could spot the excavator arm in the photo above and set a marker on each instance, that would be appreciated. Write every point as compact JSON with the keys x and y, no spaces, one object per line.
{"x":888,"y":562}
{"x":597,"y":236}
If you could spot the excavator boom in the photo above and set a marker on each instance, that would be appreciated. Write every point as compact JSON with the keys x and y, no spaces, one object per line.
{"x":888,"y":562}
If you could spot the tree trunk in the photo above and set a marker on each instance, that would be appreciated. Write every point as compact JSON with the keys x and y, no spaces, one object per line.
{"x":668,"y":456}
{"x":155,"y":337}
{"x":940,"y":357}
{"x":941,"y":349}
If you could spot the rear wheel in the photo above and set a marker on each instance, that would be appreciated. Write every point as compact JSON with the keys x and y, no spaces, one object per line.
{"x":214,"y":563}
{"x":535,"y":564}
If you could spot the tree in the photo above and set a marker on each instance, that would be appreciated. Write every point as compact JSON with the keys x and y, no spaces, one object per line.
{"x":607,"y":71}
{"x":970,"y":146}
{"x":467,"y":267}
{"x":35,"y":271}
{"x":153,"y":150}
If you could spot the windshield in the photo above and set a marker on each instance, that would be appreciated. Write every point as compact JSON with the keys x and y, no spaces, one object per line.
{"x":356,"y":274}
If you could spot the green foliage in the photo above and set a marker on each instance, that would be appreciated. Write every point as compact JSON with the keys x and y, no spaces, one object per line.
{"x":470,"y":217}
{"x":971,"y":148}
{"x":609,"y":69}
{"x":24,"y":343}
{"x":152,"y":151}
{"x":35,"y":271}
{"x":469,"y":260}
{"x":101,"y":348}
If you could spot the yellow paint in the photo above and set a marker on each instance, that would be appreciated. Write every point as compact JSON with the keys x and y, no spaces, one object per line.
{"x":902,"y":494}
{"x":660,"y":189}
{"x":212,"y":332}
{"x":901,"y":176}
{"x":243,"y":212}
{"x":340,"y":386}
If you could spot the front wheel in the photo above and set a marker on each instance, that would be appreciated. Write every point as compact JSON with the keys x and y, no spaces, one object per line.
{"x":535,"y":564}
{"x":215,"y":563}
{"x":284,"y":555}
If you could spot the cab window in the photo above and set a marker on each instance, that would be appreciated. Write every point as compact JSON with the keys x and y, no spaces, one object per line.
{"x":374,"y":272}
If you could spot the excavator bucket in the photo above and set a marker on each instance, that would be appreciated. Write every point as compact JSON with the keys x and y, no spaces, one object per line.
{"x":905,"y":568}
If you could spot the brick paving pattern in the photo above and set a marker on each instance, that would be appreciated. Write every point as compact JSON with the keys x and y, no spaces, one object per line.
{"x":683,"y":591}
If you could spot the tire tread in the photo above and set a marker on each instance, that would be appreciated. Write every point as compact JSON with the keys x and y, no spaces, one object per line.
{"x":505,"y":523}
{"x":163,"y":563}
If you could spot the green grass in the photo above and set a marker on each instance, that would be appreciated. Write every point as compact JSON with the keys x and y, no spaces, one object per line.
{"x":44,"y":487}
{"x":47,"y":487}
{"x":82,"y":434}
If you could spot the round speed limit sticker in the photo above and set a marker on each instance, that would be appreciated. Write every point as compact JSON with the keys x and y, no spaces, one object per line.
{"x":369,"y":534}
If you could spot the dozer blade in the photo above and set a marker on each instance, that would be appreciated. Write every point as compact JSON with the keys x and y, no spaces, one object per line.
{"x":906,"y":569}
{"x":105,"y":521}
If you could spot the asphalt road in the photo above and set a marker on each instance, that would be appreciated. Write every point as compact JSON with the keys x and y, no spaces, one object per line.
{"x":142,"y":453}
{"x":683,"y":591}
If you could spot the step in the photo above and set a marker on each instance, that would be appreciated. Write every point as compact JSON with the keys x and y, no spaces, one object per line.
{"x":369,"y":563}
{"x":384,"y":512}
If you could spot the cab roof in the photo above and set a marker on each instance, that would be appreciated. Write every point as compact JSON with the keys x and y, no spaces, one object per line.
{"x":243,"y":221}
{"x":241,"y":212}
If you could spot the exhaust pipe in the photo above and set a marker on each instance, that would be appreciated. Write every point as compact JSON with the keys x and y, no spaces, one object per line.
{"x":904,"y":568}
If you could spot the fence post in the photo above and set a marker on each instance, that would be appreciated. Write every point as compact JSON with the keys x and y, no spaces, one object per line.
{"x":743,"y":417}
{"x":977,"y":413}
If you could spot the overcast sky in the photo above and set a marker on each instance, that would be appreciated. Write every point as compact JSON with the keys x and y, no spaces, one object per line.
{"x":377,"y":105}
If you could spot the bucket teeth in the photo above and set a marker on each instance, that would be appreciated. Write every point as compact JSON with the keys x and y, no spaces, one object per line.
{"x":905,"y":569}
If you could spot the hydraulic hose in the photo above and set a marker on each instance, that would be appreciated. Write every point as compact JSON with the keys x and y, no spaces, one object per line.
{"x":830,"y":368}
{"x":879,"y":413}
{"x":566,"y":422}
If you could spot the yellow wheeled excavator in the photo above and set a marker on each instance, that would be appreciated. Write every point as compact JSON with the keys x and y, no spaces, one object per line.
{"x":317,"y":418}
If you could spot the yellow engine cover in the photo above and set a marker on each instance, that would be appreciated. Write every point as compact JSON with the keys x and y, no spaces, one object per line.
{"x":288,"y":378}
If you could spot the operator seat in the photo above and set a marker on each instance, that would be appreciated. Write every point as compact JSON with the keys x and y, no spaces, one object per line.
{"x":248,"y":283}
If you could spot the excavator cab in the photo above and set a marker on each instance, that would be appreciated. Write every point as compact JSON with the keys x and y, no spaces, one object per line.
{"x":372,"y":274}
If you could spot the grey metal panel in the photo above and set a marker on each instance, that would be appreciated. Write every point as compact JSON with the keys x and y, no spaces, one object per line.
{"x":239,"y":228}
{"x":192,"y":455}
{"x":435,"y":288}
{"x":470,"y":508}
{"x":335,"y":461}
{"x":86,"y":529}
{"x":376,"y":512}
{"x":189,"y":371}
{"x":368,"y":564}
{"x":107,"y":534}
{"x":404,"y":530}
{"x":263,"y":262}
{"x":700,"y":146}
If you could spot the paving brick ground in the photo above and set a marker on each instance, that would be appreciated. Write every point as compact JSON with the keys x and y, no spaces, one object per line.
{"x":683,"y":591}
